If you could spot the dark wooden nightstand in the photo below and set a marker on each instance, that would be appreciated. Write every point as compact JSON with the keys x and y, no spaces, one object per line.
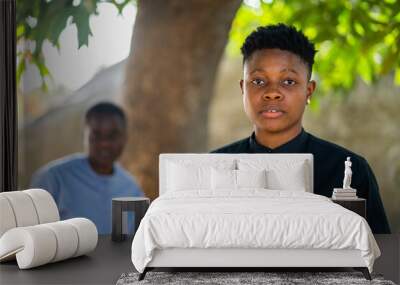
{"x":357,"y":205}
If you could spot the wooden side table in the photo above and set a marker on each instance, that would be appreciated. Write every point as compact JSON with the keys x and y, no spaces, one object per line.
{"x":138,"y":205}
{"x":358,"y":206}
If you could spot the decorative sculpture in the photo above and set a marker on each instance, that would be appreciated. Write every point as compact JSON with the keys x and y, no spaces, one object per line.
{"x":347,"y":174}
{"x":347,"y":192}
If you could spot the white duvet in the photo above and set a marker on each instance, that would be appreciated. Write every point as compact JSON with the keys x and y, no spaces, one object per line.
{"x":253,"y":218}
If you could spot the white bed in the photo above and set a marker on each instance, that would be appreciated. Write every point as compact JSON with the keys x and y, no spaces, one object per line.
{"x":215,"y":211}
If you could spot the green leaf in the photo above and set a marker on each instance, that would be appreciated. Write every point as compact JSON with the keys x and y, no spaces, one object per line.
{"x":39,"y":62}
{"x":81,"y":19}
{"x":365,"y":69}
{"x":20,"y":31}
{"x":64,"y":10}
{"x":121,"y":6}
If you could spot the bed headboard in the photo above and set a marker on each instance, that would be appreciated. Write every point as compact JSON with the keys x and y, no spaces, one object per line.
{"x":307,"y":158}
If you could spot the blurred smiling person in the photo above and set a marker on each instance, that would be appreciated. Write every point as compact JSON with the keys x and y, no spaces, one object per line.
{"x":83,"y":185}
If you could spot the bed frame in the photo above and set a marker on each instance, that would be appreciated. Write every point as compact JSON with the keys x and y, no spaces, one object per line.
{"x":247,"y":259}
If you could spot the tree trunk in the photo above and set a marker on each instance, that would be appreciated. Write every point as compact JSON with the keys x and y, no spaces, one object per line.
{"x":175,"y":51}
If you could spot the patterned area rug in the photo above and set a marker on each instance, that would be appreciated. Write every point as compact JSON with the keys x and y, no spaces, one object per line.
{"x":242,"y":278}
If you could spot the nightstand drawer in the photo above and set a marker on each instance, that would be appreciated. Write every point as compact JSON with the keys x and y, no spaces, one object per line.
{"x":357,"y":206}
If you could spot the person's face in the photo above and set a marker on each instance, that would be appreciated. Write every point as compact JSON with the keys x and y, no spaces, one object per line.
{"x":106,"y":138}
{"x":275,"y":89}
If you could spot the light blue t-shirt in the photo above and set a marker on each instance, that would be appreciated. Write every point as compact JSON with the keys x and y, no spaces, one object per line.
{"x":80,"y":192}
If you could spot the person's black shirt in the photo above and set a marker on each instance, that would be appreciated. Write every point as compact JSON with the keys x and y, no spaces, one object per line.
{"x":328,"y":170}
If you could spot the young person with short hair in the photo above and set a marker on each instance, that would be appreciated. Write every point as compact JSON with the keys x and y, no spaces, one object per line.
{"x":276,"y":88}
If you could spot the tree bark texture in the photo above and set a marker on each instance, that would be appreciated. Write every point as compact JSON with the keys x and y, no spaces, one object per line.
{"x":175,"y":51}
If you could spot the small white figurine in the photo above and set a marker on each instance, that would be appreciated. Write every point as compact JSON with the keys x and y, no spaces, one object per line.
{"x":347,"y":174}
{"x":345,"y":193}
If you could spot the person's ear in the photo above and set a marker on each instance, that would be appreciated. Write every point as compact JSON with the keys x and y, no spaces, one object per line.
{"x":311,"y":85}
{"x":241,"y":85}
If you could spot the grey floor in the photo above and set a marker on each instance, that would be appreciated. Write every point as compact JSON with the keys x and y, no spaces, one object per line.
{"x":111,"y":259}
{"x":103,"y":266}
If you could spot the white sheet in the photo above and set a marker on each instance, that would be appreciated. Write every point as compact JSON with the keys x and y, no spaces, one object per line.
{"x":252,"y":218}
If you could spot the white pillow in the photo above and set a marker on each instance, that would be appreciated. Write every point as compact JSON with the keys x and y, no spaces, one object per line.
{"x":189,"y":177}
{"x":251,"y":178}
{"x":281,"y":175}
{"x":292,"y":179}
{"x":187,"y":174}
{"x":223,"y":179}
{"x":236,"y":179}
